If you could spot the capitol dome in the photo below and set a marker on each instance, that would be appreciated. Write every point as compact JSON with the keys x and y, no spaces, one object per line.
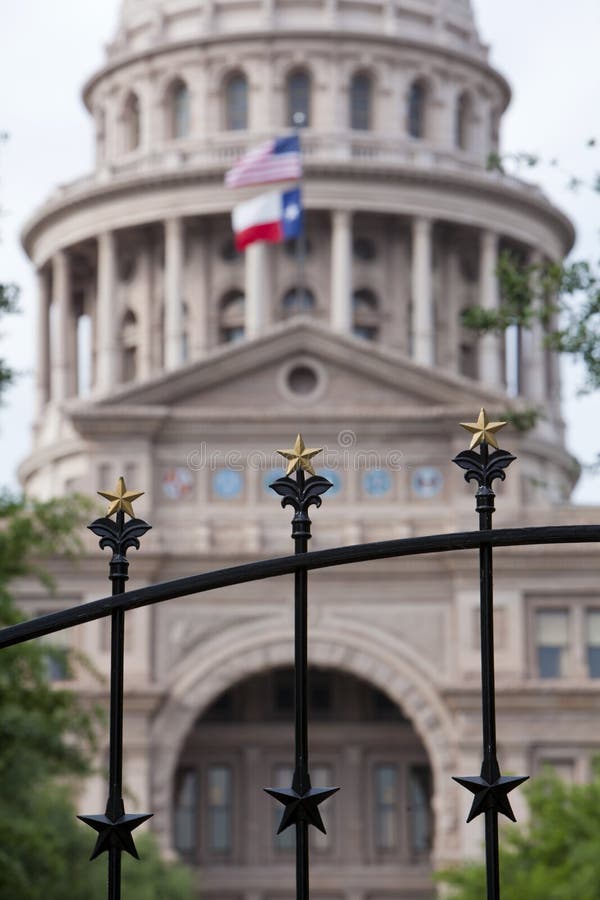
{"x":449,"y":23}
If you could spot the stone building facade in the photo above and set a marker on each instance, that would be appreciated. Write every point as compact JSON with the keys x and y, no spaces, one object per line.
{"x":166,"y":356}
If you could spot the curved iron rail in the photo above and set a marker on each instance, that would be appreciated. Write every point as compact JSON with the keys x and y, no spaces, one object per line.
{"x":286,"y":565}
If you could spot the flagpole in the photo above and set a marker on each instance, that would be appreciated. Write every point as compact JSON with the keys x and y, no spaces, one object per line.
{"x":299,"y":119}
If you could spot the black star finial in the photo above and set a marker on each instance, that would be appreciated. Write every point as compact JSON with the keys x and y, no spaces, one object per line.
{"x":115,"y":833}
{"x":301,"y":807}
{"x":491,"y":795}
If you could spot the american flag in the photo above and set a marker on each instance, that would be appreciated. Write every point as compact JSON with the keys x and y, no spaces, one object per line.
{"x":276,"y":160}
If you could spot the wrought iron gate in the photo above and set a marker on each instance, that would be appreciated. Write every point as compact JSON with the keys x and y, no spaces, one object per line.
{"x":301,"y":800}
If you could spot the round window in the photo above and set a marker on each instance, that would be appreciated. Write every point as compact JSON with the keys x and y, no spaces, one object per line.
{"x":302,"y":380}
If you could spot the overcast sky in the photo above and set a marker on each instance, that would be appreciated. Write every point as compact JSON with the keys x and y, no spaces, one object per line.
{"x":548,"y":50}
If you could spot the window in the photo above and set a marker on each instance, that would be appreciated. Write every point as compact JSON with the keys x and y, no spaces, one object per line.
{"x":322,"y":776}
{"x":298,"y":302}
{"x":186,"y":811}
{"x":461,"y":122}
{"x":364,"y":249}
{"x":57,"y":663}
{"x":222,"y":710}
{"x":419,"y":808}
{"x":383,"y":709}
{"x":298,"y":99}
{"x":551,"y":632}
{"x":593,"y":642}
{"x":416,"y":109}
{"x":320,"y":691}
{"x":386,"y":806}
{"x":468,"y":361}
{"x":283,"y":693}
{"x":286,"y":841}
{"x":494,"y":126}
{"x":303,"y":244}
{"x":232,"y":315}
{"x":366,"y":314}
{"x":179,"y":109}
{"x":360,"y":102}
{"x":185,"y":336}
{"x":229,"y":253}
{"x":56,"y":654}
{"x":220,"y":809}
{"x":129,"y":334}
{"x":236,"y":103}
{"x":561,"y":767}
{"x":131,"y":123}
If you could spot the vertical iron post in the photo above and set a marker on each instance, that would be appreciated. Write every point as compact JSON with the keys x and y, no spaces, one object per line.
{"x":301,"y":801}
{"x":114,"y":828}
{"x":114,"y":807}
{"x":490,"y":769}
{"x":301,"y":780}
{"x":490,"y":788}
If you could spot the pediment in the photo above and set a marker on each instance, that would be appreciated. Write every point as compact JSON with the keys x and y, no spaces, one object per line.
{"x":298,"y":366}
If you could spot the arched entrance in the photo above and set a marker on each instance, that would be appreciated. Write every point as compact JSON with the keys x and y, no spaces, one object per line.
{"x":380,"y":826}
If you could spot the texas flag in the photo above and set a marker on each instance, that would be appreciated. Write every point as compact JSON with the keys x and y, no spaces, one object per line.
{"x":273,"y":217}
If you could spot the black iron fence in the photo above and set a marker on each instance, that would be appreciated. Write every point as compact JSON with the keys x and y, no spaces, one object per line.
{"x":301,"y":800}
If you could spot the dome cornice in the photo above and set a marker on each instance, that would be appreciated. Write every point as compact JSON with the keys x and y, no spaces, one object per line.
{"x":518,"y":195}
{"x":271,"y":37}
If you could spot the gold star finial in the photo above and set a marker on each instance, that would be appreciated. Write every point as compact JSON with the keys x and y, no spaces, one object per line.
{"x":483,"y":430}
{"x":121,"y":498}
{"x":300,"y":457}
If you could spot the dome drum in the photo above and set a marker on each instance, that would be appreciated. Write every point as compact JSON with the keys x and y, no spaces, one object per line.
{"x":137,"y":111}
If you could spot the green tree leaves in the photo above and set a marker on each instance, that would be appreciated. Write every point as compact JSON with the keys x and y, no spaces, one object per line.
{"x":48,"y":734}
{"x":554,"y":857}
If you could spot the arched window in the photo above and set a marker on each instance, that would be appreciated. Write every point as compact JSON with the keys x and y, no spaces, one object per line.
{"x":232,"y":316}
{"x":366,"y":314}
{"x":361,"y":101}
{"x":417,"y":97}
{"x":494,"y":126}
{"x":394,"y":788}
{"x":178,"y":99}
{"x":462,"y":117}
{"x":236,"y":102}
{"x":129,"y":334}
{"x":298,"y":99}
{"x":297,"y":302}
{"x":131,"y":123}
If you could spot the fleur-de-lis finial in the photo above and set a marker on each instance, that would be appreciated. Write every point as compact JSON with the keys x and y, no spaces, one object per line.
{"x":483,"y":430}
{"x":121,"y":499}
{"x":299,"y":457}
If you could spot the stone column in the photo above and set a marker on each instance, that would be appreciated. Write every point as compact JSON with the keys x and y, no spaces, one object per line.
{"x":422,"y":292}
{"x":72,"y":352}
{"x":256,"y":289}
{"x":341,"y":271}
{"x":490,"y":345}
{"x":146,"y":311}
{"x":173,"y":337}
{"x":534,"y":362}
{"x":201,"y":320}
{"x":61,"y":301}
{"x":108,"y":368}
{"x":43,"y":341}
